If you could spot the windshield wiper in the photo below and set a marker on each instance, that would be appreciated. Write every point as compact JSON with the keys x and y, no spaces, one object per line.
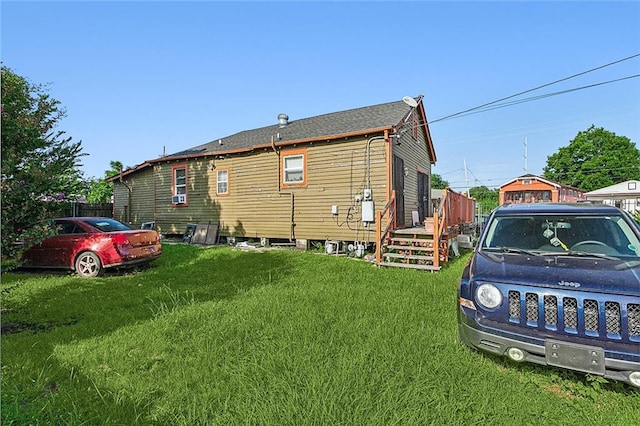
{"x":513,"y":250}
{"x":585,"y":254}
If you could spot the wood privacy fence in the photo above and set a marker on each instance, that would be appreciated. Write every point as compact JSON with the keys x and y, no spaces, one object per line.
{"x":74,"y":209}
{"x":460,"y":209}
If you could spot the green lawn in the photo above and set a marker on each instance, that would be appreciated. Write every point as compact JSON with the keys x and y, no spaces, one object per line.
{"x":224,"y":337}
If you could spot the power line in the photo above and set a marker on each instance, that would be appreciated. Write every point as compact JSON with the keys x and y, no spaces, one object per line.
{"x":535,"y":98}
{"x":539,"y":87}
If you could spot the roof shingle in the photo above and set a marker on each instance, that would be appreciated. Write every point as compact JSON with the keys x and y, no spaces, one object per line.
{"x":326,"y":126}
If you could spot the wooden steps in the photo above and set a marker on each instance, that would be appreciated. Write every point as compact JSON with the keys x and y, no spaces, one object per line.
{"x":410,"y":265}
{"x":415,"y":252}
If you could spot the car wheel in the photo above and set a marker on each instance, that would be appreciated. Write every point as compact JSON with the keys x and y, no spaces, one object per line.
{"x":88,"y":265}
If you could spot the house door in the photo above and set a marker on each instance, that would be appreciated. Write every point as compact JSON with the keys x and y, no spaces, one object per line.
{"x":398,"y":185}
{"x":423,"y":195}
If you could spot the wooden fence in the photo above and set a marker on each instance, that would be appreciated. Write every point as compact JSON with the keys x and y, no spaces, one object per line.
{"x":74,"y":209}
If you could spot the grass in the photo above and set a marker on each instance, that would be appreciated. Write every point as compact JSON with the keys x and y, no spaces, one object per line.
{"x":224,"y":337}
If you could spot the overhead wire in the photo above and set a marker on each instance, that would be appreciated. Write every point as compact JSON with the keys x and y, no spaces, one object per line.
{"x":469,"y":110}
{"x":533,"y":98}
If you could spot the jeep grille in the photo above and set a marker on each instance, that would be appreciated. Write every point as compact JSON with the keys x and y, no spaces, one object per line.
{"x":575,"y":316}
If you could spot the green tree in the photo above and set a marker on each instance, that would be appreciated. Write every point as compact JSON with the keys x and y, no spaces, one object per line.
{"x":486,"y":199}
{"x":40,"y":166}
{"x":100,"y":191}
{"x":594,"y":159}
{"x":437,"y":182}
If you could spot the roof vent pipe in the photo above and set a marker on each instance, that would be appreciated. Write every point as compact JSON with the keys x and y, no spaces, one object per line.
{"x":283,"y":119}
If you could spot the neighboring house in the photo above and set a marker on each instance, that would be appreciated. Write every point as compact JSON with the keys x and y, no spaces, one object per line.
{"x":625,"y":195}
{"x":535,"y":189}
{"x":318,"y":178}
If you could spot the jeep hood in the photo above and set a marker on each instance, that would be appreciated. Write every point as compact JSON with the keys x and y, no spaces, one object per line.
{"x":577,"y":273}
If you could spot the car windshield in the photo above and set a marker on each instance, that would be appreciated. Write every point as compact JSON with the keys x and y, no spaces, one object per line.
{"x":607,"y":235}
{"x":107,"y":225}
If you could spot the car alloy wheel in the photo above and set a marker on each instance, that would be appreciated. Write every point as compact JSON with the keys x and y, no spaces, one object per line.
{"x":88,"y":265}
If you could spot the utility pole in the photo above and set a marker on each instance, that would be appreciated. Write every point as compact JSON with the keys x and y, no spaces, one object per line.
{"x":525,"y":155}
{"x":466,"y":177}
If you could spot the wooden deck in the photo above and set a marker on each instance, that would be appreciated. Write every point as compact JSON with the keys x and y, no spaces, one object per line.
{"x":416,"y":230}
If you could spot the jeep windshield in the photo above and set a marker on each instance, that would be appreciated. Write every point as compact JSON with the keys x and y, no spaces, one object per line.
{"x":603,"y":236}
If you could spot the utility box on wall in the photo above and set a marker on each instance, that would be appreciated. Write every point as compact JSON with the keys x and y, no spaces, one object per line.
{"x":368,"y":211}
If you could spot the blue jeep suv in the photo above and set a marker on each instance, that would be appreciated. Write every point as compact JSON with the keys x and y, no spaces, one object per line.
{"x":556,"y":284}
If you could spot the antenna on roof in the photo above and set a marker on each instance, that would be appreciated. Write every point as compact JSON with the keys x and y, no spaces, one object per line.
{"x":410,"y":101}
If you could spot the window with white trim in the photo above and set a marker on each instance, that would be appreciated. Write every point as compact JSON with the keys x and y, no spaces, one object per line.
{"x":294,"y":169}
{"x":223,"y":182}
{"x":179,"y":180}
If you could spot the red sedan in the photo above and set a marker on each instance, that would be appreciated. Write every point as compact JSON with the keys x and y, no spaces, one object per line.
{"x":88,"y":245}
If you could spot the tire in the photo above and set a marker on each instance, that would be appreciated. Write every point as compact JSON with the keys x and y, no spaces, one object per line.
{"x":88,"y":265}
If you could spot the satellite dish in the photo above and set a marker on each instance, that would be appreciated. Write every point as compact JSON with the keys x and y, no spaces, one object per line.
{"x":410,"y":101}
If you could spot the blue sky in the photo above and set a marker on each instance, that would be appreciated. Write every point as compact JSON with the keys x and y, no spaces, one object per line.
{"x":139,"y":78}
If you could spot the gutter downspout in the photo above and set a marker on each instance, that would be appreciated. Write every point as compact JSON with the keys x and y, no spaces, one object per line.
{"x":388,"y":153}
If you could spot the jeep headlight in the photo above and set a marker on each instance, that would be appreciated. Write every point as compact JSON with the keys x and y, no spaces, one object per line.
{"x":488,"y":296}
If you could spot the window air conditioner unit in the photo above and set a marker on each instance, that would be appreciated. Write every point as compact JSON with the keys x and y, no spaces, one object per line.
{"x":179,"y":199}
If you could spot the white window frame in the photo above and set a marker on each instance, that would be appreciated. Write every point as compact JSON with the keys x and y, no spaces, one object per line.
{"x":298,"y":169}
{"x":224,"y":181}
{"x":179,"y":188}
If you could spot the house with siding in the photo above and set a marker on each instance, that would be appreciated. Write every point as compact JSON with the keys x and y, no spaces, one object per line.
{"x":535,"y":189}
{"x":316,"y":179}
{"x":625,"y":195}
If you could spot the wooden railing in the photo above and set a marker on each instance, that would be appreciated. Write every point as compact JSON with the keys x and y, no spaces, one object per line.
{"x":389,"y":212}
{"x":454,"y":210}
{"x":437,"y":232}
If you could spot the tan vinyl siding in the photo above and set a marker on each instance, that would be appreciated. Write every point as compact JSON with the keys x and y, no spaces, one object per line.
{"x":416,"y":158}
{"x":173,"y":219}
{"x":120,"y":202}
{"x":137,"y":207}
{"x":259,"y":206}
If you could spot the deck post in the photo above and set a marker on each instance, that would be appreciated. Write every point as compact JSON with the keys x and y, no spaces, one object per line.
{"x":378,"y":236}
{"x":436,"y":241}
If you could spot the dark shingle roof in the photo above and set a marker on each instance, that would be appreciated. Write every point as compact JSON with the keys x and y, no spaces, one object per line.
{"x":327,"y":126}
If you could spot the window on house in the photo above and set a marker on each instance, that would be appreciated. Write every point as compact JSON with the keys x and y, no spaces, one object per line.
{"x":526,"y":181}
{"x":294,"y":169}
{"x":179,"y":180}
{"x":179,"y":183}
{"x":632,"y":186}
{"x":223,"y":182}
